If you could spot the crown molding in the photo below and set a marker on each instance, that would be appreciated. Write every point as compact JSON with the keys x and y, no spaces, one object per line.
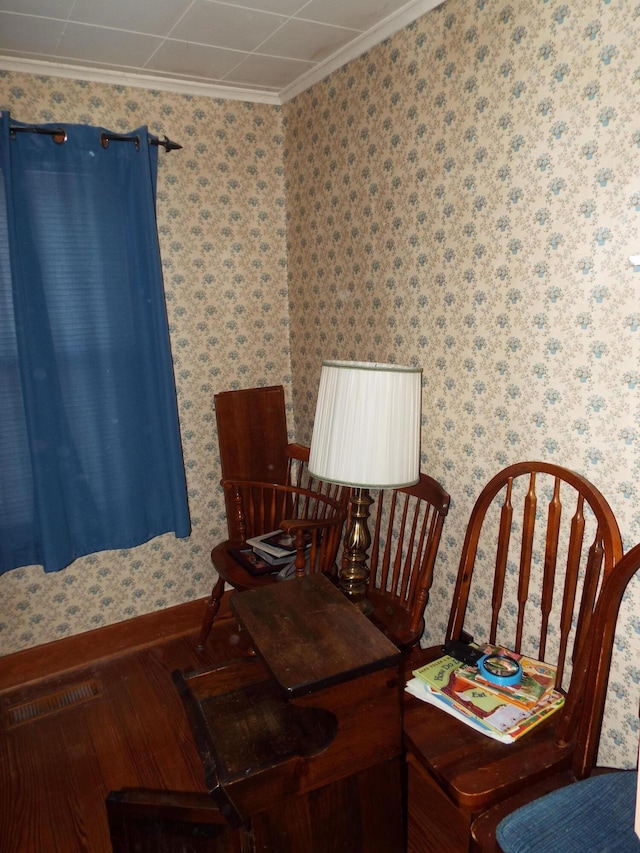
{"x":139,"y":81}
{"x":390,"y":25}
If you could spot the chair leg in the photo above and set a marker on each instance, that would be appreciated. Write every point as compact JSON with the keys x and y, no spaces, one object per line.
{"x":213,"y":605}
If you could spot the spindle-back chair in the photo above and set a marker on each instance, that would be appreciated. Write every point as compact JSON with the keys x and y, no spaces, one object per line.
{"x":405,"y":541}
{"x":598,"y":652}
{"x":542,"y":538}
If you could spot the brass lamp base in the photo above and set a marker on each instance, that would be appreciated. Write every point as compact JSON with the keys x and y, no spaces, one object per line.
{"x":353,"y":576}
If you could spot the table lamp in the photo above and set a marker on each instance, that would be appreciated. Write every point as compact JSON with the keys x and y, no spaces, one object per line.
{"x":366,"y":435}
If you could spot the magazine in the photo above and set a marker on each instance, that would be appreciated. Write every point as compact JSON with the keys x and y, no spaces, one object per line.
{"x":276,"y":545}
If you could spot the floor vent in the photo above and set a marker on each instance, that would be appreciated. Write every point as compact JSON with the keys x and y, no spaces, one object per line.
{"x":73,"y":695}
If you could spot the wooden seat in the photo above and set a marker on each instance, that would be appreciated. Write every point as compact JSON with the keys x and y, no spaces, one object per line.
{"x":546,"y":563}
{"x":598,"y":653}
{"x":405,"y":541}
{"x":253,"y":443}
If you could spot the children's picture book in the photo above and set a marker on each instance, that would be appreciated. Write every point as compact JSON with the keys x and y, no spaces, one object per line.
{"x":476,"y":700}
{"x":444,"y":683}
{"x":496,"y":727}
{"x":436,"y":672}
{"x":538,"y":678}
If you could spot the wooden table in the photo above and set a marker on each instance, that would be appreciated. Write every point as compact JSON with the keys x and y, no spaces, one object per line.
{"x":303,"y":744}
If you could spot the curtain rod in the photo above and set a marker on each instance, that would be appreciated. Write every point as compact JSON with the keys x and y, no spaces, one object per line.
{"x":59,"y":135}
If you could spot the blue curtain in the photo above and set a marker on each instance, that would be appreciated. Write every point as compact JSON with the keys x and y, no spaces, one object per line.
{"x":90,"y":452}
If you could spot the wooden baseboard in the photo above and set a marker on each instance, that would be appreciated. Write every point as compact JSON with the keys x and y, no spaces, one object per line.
{"x":60,"y":656}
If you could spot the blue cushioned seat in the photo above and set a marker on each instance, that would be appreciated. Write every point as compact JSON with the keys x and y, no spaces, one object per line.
{"x":595,"y":815}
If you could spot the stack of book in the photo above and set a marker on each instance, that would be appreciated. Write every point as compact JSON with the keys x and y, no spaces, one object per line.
{"x":271,"y":553}
{"x":276,"y":548}
{"x":502,"y":712}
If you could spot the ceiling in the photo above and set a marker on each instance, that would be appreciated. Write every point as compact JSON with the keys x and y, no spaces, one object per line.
{"x":256,"y":50}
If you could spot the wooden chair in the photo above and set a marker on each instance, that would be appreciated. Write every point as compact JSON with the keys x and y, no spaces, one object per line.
{"x":598,"y":653}
{"x":545,"y":579}
{"x":252,"y":438}
{"x":314,"y":520}
{"x":405,"y":541}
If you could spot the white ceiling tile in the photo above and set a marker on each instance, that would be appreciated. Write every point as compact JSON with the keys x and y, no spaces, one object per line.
{"x":128,"y":15}
{"x":302,"y":40}
{"x":44,"y":8}
{"x":30,"y":35}
{"x":201,"y":61}
{"x":226,"y":26}
{"x":280,"y":7}
{"x":80,"y":41}
{"x":358,"y":14}
{"x":272,"y":72}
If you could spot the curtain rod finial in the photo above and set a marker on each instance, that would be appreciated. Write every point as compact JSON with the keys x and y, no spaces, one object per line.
{"x":168,"y":145}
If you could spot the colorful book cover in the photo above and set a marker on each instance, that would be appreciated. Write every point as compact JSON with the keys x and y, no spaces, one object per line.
{"x":436,"y":673}
{"x":538,"y":679}
{"x":442,"y":675}
{"x":421,"y":690}
{"x":253,"y":562}
{"x":487,"y":706}
{"x":553,"y":702}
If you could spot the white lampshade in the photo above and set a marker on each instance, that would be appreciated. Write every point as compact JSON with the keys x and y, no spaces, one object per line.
{"x":367,"y":425}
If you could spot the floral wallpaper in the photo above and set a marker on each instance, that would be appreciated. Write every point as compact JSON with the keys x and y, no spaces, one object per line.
{"x":465,"y":196}
{"x":221,"y":223}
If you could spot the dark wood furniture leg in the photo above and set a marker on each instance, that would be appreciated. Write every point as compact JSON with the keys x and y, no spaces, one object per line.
{"x":213,"y":605}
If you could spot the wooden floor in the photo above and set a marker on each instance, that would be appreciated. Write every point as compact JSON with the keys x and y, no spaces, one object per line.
{"x":124,"y":725}
{"x":97,"y":712}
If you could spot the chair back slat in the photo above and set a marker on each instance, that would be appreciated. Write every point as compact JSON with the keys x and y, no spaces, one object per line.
{"x":556,"y":572}
{"x":576,"y":540}
{"x":314,"y":520}
{"x":554,"y":518}
{"x":299,"y":477}
{"x":404,"y":544}
{"x":423,"y":556}
{"x":375,"y":546}
{"x":298,"y":456}
{"x":590,"y":589}
{"x":528,"y":528}
{"x":502,"y":551}
{"x":405,"y":573}
{"x":402,"y":559}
